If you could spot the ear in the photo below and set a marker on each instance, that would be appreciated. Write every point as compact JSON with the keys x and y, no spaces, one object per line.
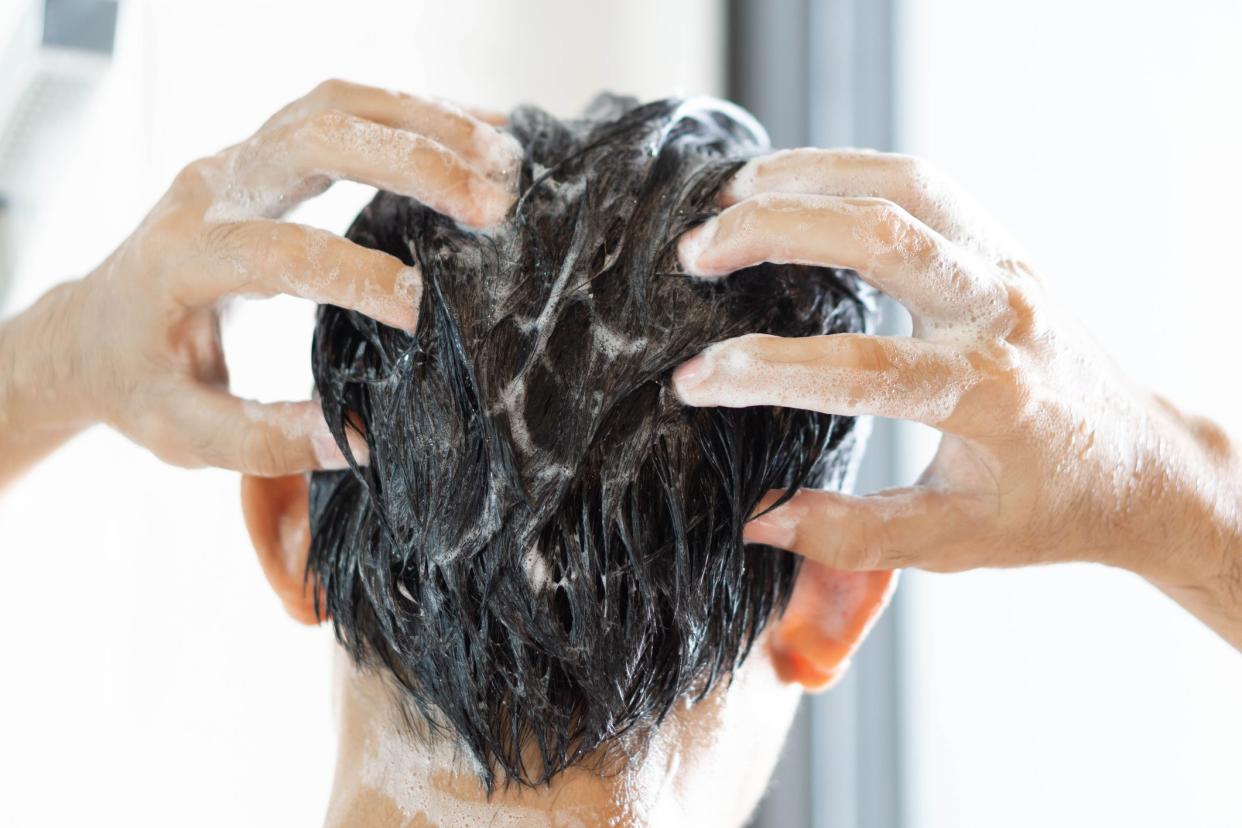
{"x":276,"y":517}
{"x":828,"y":617}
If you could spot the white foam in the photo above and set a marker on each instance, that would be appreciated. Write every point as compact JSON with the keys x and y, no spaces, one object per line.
{"x":513,"y":402}
{"x":418,"y":780}
{"x":744,"y":372}
{"x":501,"y":153}
{"x":613,"y":344}
{"x":537,"y":574}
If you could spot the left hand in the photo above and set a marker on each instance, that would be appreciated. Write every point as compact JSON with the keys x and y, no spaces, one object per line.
{"x":1048,"y":452}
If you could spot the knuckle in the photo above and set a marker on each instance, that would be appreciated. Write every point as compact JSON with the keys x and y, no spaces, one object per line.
{"x":909,"y":167}
{"x":330,"y":89}
{"x":997,"y":359}
{"x":153,"y":430}
{"x":194,"y":181}
{"x":916,"y":174}
{"x":192,"y":174}
{"x":753,"y":341}
{"x":889,"y":224}
{"x":166,"y":233}
{"x":262,"y":453}
{"x":323,"y":126}
{"x":1015,"y":312}
{"x":752,"y":226}
{"x":224,"y":241}
{"x":870,"y":554}
{"x":864,"y":352}
{"x":864,"y":547}
{"x":886,"y":214}
{"x":877,"y":549}
{"x":744,"y":353}
{"x":759,"y":206}
{"x":1211,"y":435}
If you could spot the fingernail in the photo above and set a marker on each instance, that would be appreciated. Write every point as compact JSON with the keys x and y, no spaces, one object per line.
{"x":409,"y":292}
{"x":778,"y":528}
{"x":741,"y":185}
{"x":691,"y":374}
{"x":691,"y":246}
{"x":503,"y":156}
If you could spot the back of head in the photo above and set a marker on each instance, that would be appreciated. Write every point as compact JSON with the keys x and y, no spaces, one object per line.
{"x":545,"y":550}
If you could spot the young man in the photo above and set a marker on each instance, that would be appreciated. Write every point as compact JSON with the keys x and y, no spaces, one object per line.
{"x":546,"y":610}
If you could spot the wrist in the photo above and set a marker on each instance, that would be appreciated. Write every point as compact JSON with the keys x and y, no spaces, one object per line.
{"x":1220,"y":493}
{"x":41,"y":388}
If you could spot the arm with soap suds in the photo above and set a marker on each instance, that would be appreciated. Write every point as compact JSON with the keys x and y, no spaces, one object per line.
{"x":135,"y":344}
{"x":1048,"y":452}
{"x":39,"y":408}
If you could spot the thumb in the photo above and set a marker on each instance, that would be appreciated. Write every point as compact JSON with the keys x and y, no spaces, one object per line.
{"x":887,"y":530}
{"x":212,"y":428}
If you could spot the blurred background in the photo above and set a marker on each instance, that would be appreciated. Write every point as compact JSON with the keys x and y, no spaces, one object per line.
{"x":147,"y":668}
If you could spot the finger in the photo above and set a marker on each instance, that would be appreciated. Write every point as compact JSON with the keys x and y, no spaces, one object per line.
{"x":469,"y":133}
{"x":209,"y":427}
{"x":265,"y":257}
{"x":495,"y":117}
{"x":887,"y":530}
{"x":848,"y":374}
{"x":936,"y":280}
{"x":913,"y":184}
{"x":332,"y":145}
{"x":340,"y":145}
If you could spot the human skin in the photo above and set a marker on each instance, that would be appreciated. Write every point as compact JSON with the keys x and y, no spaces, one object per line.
{"x":135,"y":344}
{"x":1048,"y":452}
{"x":705,"y":766}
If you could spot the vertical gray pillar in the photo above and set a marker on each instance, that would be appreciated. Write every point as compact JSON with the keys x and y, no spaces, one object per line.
{"x":821,"y":72}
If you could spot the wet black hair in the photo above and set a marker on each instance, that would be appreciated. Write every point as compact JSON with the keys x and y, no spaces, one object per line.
{"x":545,"y":550}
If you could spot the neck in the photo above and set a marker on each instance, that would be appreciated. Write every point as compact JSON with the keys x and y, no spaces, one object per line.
{"x":386,"y":776}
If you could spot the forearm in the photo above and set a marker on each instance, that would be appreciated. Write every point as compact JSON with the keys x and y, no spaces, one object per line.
{"x":40,"y":405}
{"x":1205,"y":576}
{"x":1220,"y":608}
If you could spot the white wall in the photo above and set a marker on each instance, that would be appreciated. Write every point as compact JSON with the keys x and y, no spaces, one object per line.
{"x":149,"y":676}
{"x":1107,"y":136}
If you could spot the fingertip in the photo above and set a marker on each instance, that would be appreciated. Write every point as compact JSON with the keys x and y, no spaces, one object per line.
{"x":358,"y":447}
{"x":503,"y":156}
{"x":741,"y":186}
{"x":408,"y":289}
{"x":778,"y":528}
{"x":487,"y":115}
{"x":691,"y":248}
{"x":328,"y":454}
{"x":691,"y":375}
{"x":396,"y":303}
{"x":488,"y":204}
{"x":775,"y":527}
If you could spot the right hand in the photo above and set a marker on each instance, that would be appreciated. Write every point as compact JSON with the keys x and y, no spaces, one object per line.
{"x":136,"y":343}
